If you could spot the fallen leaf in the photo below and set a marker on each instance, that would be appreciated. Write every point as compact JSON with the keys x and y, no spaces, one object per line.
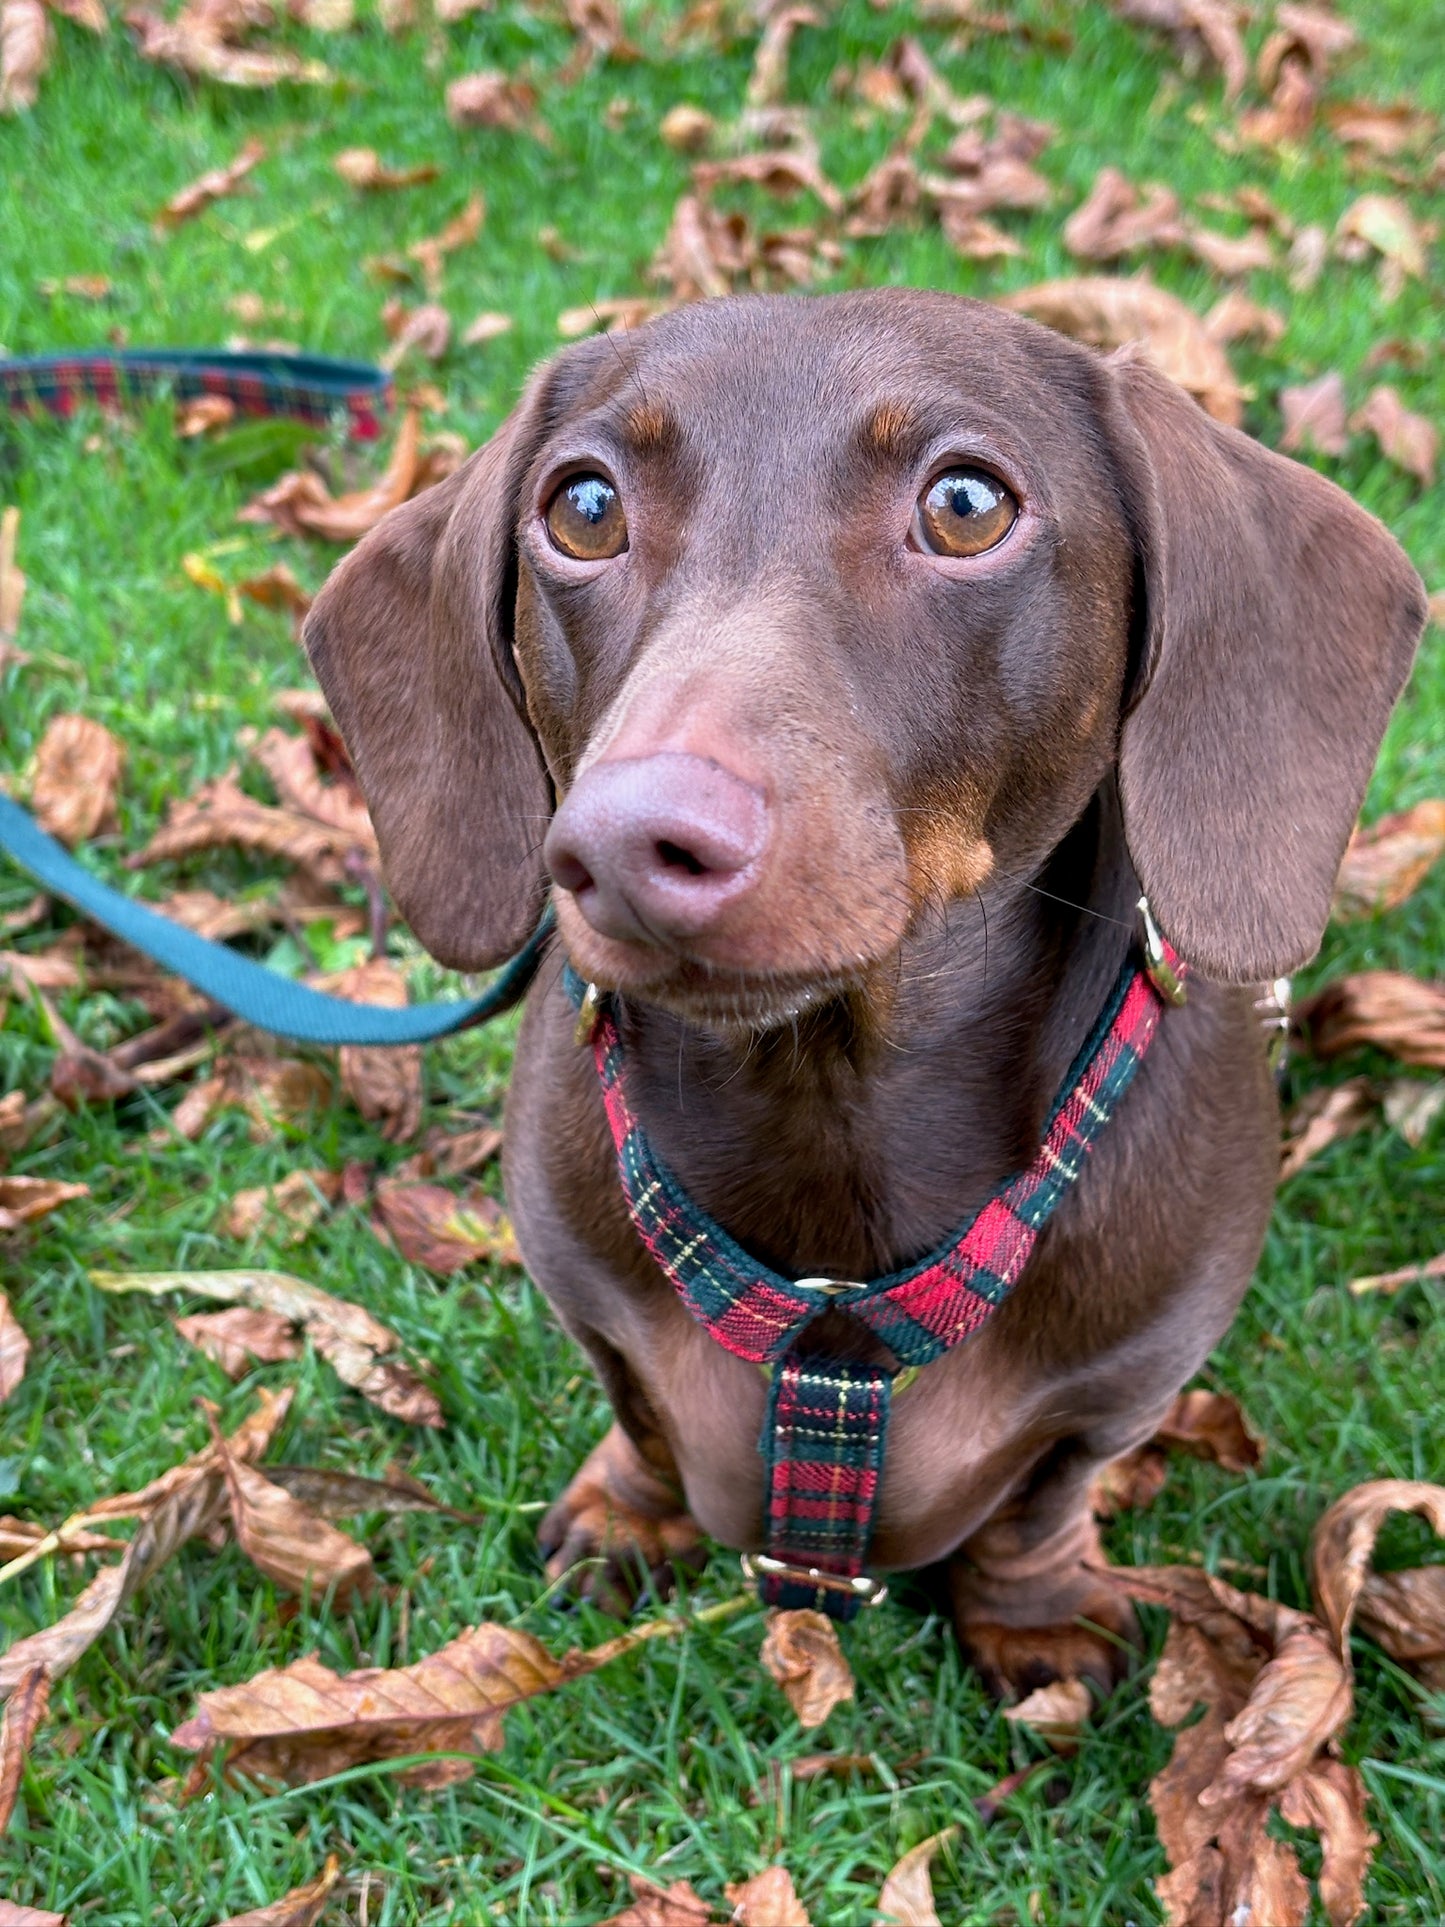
{"x":434,"y":1227}
{"x":1275,"y":1695}
{"x":1383,"y":224}
{"x":769,"y":1899}
{"x":1386,"y":131}
{"x":628,"y":311}
{"x":199,"y":416}
{"x":425,"y":330}
{"x":299,"y":1908}
{"x":212,"y":186}
{"x":183,"y":1503}
{"x":276,"y":588}
{"x":768,"y":82}
{"x":1308,"y":253}
{"x":1389,"y":1282}
{"x":801,"y":1652}
{"x":1234,"y":317}
{"x":1211,"y":1426}
{"x":22,"y":1535}
{"x":1055,"y":1712}
{"x":12,"y":1915}
{"x":287,"y":1210}
{"x":1288,"y":118}
{"x":906,"y":1897}
{"x":430,"y":254}
{"x":1319,"y":35}
{"x":1116,"y":219}
{"x":1386,"y":863}
{"x":1385,"y":1009}
{"x":1314,"y":416}
{"x":1324,"y":1117}
{"x":350,"y":1339}
{"x":781,"y":173}
{"x":12,"y":589}
{"x":1231,"y":254}
{"x":301,"y":503}
{"x":294,"y":764}
{"x":1411,"y":1106}
{"x":1409,"y":1607}
{"x":1406,"y":439}
{"x":1111,"y":313}
{"x":191,"y":44}
{"x":23,"y":1200}
{"x":241,"y":1337}
{"x":452,"y":1154}
{"x":384,"y":1083}
{"x":14,"y":1350}
{"x":268,"y":1089}
{"x":77,"y":775}
{"x":487,"y":326}
{"x":286,"y":1541}
{"x":342,"y":1495}
{"x":24,"y":1710}
{"x":495,"y":99}
{"x":1200,"y":29}
{"x":221,"y":813}
{"x":26,"y":43}
{"x":687,"y":129}
{"x":674,"y":1906}
{"x":364,"y":169}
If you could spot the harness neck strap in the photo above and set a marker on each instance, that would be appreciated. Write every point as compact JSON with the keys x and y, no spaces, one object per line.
{"x":827,"y":1423}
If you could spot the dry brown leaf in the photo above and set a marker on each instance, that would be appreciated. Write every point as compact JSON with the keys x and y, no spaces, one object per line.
{"x":1404,"y":1612}
{"x":782,"y":173}
{"x":1211,"y":1426}
{"x":240,"y":1337}
{"x":276,"y":588}
{"x":14,"y":1350}
{"x":1055,"y":1712}
{"x":1200,"y":29}
{"x":301,"y":504}
{"x":769,"y":1899}
{"x":487,"y":326}
{"x":26,"y":42}
{"x":1276,"y":1695}
{"x":906,"y":1897}
{"x":1386,"y":131}
{"x":355,"y":1344}
{"x":1288,"y":118}
{"x":291,"y":1545}
{"x":342,"y":1495}
{"x":384,"y":1083}
{"x":221,"y":813}
{"x":1324,"y":1117}
{"x":19,"y":1536}
{"x":1313,"y":31}
{"x":1231,"y":254}
{"x":1406,"y":439}
{"x":212,"y":186}
{"x":12,"y":1915}
{"x":1344,"y":1541}
{"x":1411,"y":1106}
{"x":1436,"y":609}
{"x":801,"y":1652}
{"x":1386,"y":1009}
{"x":1234,"y":317}
{"x":295,"y":767}
{"x":24,"y":1710}
{"x":687,"y":129}
{"x":1390,"y":1282}
{"x":425,"y":330}
{"x":495,"y":99}
{"x":445,"y":1232}
{"x":198,"y":42}
{"x":286,"y":1210}
{"x":1314,"y":416}
{"x":12,"y":589}
{"x":1116,"y":219}
{"x":182,"y":1503}
{"x":23,"y":1200}
{"x":364,"y":169}
{"x":430,"y":254}
{"x":1383,"y":224}
{"x":267,"y":1089}
{"x":768,"y":82}
{"x":612,"y":317}
{"x":77,"y":775}
{"x":674,"y":1906}
{"x":1386,"y":863}
{"x":299,"y":1908}
{"x":199,"y":416}
{"x":1111,"y":313}
{"x":452,"y":1154}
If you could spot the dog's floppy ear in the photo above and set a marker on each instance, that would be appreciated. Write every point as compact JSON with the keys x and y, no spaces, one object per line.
{"x":1279,"y":625}
{"x":411,"y":641}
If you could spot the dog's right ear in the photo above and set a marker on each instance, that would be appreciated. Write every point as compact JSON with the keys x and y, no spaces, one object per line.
{"x":411,"y":639}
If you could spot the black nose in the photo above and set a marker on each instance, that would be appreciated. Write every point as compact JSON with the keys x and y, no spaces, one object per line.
{"x":656,"y":848}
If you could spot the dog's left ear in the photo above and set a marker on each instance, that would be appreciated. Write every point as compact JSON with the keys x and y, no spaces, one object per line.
{"x":1279,"y":627}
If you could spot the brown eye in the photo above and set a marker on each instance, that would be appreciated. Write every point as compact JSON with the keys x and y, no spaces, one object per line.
{"x":963,"y":512}
{"x":585,"y":519}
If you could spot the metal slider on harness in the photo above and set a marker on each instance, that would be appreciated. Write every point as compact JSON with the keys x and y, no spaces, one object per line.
{"x":761,"y":1565}
{"x":587,"y":1014}
{"x":1157,"y":966}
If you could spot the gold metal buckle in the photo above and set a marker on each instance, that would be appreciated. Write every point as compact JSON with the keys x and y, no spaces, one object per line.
{"x":761,"y":1565}
{"x":588,"y":1012}
{"x":901,"y":1379}
{"x":1157,"y":967}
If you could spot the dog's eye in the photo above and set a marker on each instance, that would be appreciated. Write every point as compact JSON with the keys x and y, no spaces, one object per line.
{"x":963,"y":512}
{"x":585,"y":519}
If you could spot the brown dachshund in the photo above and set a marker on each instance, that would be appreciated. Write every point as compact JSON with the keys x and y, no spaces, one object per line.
{"x":846,"y":667}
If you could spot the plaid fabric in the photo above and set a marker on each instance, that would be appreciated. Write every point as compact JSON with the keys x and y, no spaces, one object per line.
{"x":823,"y":1444}
{"x":304,"y":387}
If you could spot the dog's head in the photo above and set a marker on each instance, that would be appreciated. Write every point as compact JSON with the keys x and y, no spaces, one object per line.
{"x":765,"y":625}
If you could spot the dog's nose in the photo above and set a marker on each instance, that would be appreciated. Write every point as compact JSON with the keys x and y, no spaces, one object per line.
{"x":655,"y":848}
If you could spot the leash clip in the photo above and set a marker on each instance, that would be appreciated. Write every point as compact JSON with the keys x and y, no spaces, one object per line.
{"x":827,"y":1287}
{"x":758,"y":1566}
{"x":1157,"y":965}
{"x":588,"y":1011}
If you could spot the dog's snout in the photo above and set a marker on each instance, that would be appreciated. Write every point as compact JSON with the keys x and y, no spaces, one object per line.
{"x":656,"y":848}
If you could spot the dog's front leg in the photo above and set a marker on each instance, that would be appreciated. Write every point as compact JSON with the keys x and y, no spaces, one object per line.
{"x":1032,"y":1598}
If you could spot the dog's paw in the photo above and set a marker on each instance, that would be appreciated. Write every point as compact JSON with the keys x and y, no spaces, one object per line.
{"x":618,"y":1531}
{"x":1086,"y":1630}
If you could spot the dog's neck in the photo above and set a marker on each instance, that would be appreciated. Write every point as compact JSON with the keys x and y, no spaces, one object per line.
{"x":854,"y":1140}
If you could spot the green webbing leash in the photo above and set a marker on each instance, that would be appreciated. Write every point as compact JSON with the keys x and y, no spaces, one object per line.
{"x":256,"y":995}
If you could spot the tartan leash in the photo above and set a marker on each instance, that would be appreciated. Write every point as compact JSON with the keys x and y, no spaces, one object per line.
{"x":308,"y":388}
{"x":827,"y":1418}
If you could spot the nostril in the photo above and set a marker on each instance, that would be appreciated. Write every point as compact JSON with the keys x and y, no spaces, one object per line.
{"x":675,"y":857}
{"x":569,"y":871}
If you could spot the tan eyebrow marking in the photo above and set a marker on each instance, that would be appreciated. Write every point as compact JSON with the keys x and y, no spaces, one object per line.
{"x":649,"y":426}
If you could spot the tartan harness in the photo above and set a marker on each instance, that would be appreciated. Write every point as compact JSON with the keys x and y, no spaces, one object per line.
{"x":827,"y":1418}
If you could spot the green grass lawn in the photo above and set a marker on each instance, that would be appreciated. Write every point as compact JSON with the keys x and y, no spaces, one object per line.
{"x":663,"y":1763}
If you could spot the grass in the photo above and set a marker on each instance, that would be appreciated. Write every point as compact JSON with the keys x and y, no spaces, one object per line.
{"x":663,"y":1763}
